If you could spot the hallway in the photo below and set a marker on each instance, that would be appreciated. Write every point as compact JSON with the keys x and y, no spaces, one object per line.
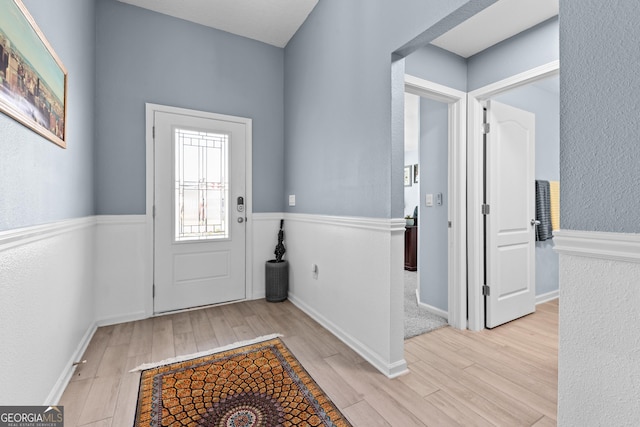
{"x":506,"y":376}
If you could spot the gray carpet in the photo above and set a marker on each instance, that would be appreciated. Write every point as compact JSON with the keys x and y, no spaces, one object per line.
{"x":417,"y":320}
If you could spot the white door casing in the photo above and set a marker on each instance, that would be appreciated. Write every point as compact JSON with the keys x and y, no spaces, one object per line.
{"x":201,"y":264}
{"x":510,"y":187}
{"x":475,"y":184}
{"x":457,"y":269}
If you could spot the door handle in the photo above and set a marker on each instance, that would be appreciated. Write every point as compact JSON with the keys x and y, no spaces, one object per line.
{"x":240,"y":220}
{"x":535,"y":222}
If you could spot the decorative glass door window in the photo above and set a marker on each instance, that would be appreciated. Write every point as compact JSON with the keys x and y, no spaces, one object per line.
{"x":201,"y":185}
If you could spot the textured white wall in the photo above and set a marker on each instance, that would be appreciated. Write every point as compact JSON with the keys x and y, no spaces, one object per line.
{"x":599,"y":355}
{"x":46,"y":306}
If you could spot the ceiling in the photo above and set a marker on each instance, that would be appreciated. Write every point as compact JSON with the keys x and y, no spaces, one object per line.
{"x":498,"y":22}
{"x":269,"y":21}
{"x":276,"y":21}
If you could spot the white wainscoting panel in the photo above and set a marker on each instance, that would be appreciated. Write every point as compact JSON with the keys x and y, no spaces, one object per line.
{"x":46,"y":308}
{"x":58,"y":282}
{"x":120,"y":269}
{"x":351,"y":295}
{"x":599,"y":352}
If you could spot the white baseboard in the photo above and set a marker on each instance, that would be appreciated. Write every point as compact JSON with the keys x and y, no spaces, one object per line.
{"x":390,"y":370}
{"x":58,"y":389}
{"x":431,"y":309}
{"x":549,"y":296}
{"x":114,"y":320}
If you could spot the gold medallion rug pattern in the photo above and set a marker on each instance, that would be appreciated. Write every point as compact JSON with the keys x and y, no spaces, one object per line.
{"x":260,"y":384}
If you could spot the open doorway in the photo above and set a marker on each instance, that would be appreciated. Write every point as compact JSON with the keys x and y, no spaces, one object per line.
{"x":426,"y":237}
{"x":535,"y":91}
{"x":480,"y":73}
{"x":434,"y":201}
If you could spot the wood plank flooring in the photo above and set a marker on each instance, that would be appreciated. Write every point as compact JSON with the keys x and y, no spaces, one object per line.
{"x":506,"y":376}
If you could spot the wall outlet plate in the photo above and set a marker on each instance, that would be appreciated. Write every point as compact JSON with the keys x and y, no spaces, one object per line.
{"x":429,"y":200}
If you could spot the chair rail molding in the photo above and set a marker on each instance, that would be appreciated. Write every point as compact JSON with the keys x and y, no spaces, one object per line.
{"x":596,"y":244}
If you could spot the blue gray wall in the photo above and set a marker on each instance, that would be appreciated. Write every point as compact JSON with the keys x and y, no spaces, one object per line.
{"x":433,"y":229}
{"x":42,"y":182}
{"x":438,"y":66}
{"x":149,"y":57}
{"x":537,"y":46}
{"x":545,"y":104}
{"x":339,"y":157}
{"x":600,"y":153}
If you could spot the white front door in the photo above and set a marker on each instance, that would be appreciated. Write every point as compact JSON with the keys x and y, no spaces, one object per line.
{"x":199,"y":226}
{"x":510,"y":233}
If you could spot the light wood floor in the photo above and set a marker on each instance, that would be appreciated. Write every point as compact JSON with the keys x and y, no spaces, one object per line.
{"x":506,"y":376}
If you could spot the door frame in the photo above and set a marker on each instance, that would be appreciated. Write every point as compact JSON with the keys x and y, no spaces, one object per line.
{"x":475,"y":172}
{"x":150,"y":109}
{"x":457,"y":262}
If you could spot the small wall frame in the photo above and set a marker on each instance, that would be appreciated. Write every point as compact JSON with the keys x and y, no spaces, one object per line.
{"x":408,"y":176}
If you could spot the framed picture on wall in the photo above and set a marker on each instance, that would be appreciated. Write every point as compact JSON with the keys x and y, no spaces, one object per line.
{"x":415,"y":173}
{"x":33,"y":80}
{"x":407,"y":176}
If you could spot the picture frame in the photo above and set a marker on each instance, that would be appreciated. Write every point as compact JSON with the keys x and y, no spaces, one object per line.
{"x":408,"y":176}
{"x":33,"y":80}
{"x":415,"y":173}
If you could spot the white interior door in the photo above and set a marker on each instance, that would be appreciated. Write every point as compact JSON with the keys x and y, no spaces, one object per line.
{"x":199,"y":226}
{"x":510,"y":239}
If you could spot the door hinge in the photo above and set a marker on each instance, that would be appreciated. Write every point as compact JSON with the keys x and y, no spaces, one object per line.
{"x":486,"y":127}
{"x":486,"y":291}
{"x":153,"y":211}
{"x":153,"y":291}
{"x":485,"y":209}
{"x":449,"y":224}
{"x":153,"y":132}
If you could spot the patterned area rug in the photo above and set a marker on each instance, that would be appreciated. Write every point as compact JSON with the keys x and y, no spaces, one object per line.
{"x":260,"y":384}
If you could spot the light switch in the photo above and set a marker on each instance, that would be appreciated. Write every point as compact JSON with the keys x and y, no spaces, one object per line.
{"x":292,"y":199}
{"x":439,"y":199}
{"x":429,"y":200}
